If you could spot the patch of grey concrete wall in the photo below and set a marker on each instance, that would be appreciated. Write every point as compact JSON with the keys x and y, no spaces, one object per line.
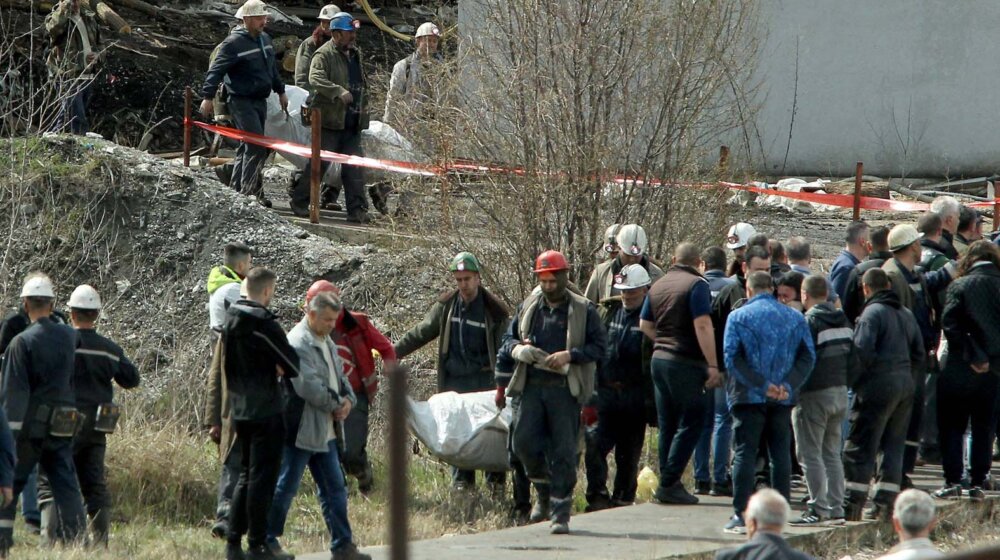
{"x":910,"y":87}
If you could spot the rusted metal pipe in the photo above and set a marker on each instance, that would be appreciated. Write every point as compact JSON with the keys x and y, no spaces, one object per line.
{"x":315,"y":165}
{"x":723,"y":160}
{"x":188,"y":94}
{"x":857,"y":190}
{"x":398,"y":531}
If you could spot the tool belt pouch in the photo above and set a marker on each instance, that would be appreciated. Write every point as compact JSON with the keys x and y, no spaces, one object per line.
{"x":65,"y":422}
{"x":107,"y":418}
{"x":39,"y":426}
{"x":305,"y":114}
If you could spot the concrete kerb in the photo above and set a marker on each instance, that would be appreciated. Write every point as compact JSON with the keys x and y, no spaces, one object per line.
{"x":652,"y":532}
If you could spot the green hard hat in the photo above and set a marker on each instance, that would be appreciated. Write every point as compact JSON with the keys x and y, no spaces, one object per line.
{"x":464,"y":261}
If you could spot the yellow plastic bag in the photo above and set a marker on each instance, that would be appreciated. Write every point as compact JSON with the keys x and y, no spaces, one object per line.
{"x":648,"y":481}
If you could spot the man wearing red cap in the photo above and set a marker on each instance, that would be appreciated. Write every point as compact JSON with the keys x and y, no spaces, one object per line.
{"x":547,"y":364}
{"x":356,"y":337}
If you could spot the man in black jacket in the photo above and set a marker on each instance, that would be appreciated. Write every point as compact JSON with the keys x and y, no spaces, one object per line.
{"x":967,"y":388}
{"x":854,"y":296}
{"x":255,"y":353}
{"x":246,"y":62}
{"x":38,"y":399}
{"x":890,"y":348}
{"x":99,"y":363}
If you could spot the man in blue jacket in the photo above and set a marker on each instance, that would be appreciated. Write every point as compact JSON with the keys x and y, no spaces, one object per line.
{"x":247,"y":65}
{"x":769,"y":354}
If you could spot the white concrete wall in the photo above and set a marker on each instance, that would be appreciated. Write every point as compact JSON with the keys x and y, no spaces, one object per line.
{"x":907,"y":86}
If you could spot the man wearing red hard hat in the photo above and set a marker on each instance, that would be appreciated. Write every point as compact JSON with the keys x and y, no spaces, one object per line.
{"x":547,"y":363}
{"x":356,"y":337}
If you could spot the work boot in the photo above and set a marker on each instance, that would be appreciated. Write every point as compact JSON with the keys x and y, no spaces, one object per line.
{"x":366,"y":480}
{"x":379,"y":197}
{"x":300,"y":211}
{"x":220,"y":528}
{"x":597,"y":502}
{"x":234,"y":551}
{"x":674,"y":494}
{"x":349,"y":552}
{"x":561,"y":508}
{"x":100,"y":527}
{"x":721,"y":488}
{"x":359,"y":217}
{"x":224,"y":173}
{"x":264,"y":201}
{"x":264,"y":552}
{"x":878,"y":512}
{"x":854,"y":504}
{"x":540,"y":511}
{"x":278,"y":552}
{"x":702,"y":487}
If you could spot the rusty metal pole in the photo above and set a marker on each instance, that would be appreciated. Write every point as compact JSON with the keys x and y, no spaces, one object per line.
{"x":398,"y":531}
{"x":187,"y":126}
{"x":996,"y":208}
{"x":315,"y":167}
{"x":723,"y":160}
{"x":857,"y":190}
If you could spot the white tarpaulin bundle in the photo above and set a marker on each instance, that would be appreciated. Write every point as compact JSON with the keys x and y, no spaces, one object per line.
{"x":463,"y":430}
{"x":788,"y":185}
{"x":379,"y":141}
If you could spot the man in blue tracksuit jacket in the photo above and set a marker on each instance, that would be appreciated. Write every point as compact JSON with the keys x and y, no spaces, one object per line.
{"x":769,"y":355}
{"x":247,"y":65}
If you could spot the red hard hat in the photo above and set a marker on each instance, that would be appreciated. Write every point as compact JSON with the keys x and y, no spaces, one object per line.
{"x":319,"y":287}
{"x":550,"y":261}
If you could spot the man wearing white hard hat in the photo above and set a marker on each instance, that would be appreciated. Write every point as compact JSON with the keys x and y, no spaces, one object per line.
{"x":736,"y":241}
{"x":246,"y":63}
{"x":917,"y":291}
{"x":38,"y":399}
{"x":99,"y":364}
{"x":410,"y":86}
{"x":632,"y":244}
{"x":624,"y":395}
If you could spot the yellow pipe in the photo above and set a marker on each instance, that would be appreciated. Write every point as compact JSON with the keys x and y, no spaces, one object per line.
{"x":385,"y":27}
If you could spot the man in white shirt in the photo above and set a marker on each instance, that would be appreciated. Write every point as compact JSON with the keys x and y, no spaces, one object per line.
{"x":913,"y":518}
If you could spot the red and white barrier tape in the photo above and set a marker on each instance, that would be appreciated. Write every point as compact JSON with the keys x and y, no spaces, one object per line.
{"x":830,"y":199}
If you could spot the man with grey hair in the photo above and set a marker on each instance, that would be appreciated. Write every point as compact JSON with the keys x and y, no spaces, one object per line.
{"x":913,"y":518}
{"x":949,"y":209}
{"x":765,"y":516}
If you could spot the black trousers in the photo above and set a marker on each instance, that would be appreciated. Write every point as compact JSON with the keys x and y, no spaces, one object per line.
{"x":680,"y":408}
{"x":916,"y":422}
{"x":965,"y":396}
{"x":227,"y":482}
{"x":54,"y":456}
{"x":347,"y":142}
{"x":89,"y":450}
{"x":260,"y":444}
{"x":621,"y":427}
{"x":879,"y":421}
{"x":757,"y":426}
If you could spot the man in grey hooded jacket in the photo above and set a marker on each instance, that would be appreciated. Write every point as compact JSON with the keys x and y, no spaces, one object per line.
{"x":318,"y":400}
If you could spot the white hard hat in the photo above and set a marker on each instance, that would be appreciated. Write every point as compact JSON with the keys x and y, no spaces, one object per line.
{"x":631,"y":277}
{"x":328,"y":11}
{"x":611,"y":238}
{"x":739,"y":235}
{"x":902,"y":236}
{"x":239,"y":13}
{"x":85,"y":297}
{"x":632,"y":240}
{"x":38,"y":285}
{"x":253,"y":8}
{"x":427,"y":29}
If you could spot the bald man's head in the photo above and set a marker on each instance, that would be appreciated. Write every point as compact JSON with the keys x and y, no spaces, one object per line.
{"x":767,"y":511}
{"x":687,"y":254}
